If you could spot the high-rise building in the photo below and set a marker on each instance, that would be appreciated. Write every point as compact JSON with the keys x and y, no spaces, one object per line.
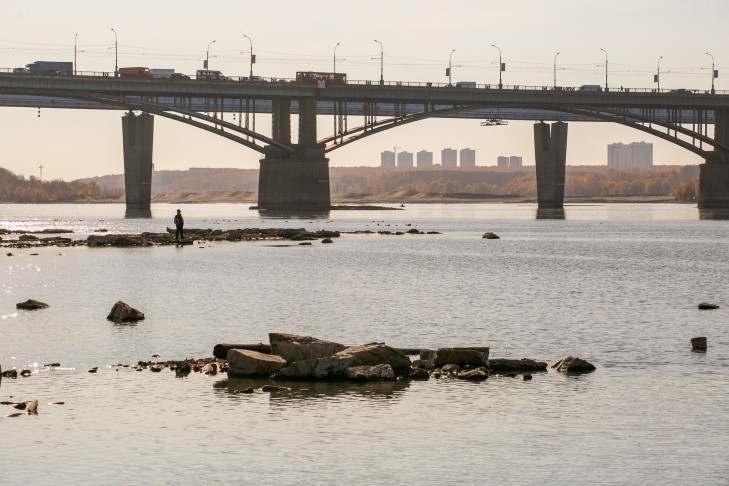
{"x":502,"y":161}
{"x":405,"y":159}
{"x":515,"y":161}
{"x":387,"y":159}
{"x":449,"y":157}
{"x":468,"y":157}
{"x":636,"y":153}
{"x":425,"y":159}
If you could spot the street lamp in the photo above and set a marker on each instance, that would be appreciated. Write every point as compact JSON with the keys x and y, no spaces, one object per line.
{"x":250,"y":76}
{"x":658,"y":75}
{"x":450,"y":68}
{"x":492,"y":45}
{"x":382,"y":79}
{"x":555,"y":70}
{"x":712,"y":73}
{"x":207,"y":56}
{"x":335,"y":57}
{"x":606,"y":68}
{"x":74,"y":54}
{"x":116,"y":54}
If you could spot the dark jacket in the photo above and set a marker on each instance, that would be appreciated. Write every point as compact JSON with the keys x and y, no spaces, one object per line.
{"x":179,"y":222}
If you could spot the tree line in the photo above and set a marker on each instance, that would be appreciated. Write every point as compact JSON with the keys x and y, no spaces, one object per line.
{"x":18,"y":189}
{"x":680,"y":182}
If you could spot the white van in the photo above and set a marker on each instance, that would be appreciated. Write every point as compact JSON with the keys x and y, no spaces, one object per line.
{"x":209,"y":75}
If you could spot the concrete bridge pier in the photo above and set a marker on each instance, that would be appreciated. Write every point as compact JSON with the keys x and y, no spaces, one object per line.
{"x":138,"y":133}
{"x":714,"y":174}
{"x":550,"y":152}
{"x":298,"y":181}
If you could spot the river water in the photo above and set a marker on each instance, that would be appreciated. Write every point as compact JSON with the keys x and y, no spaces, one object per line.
{"x":616,"y":284}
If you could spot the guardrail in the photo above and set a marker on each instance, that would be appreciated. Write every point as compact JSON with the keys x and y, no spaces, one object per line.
{"x":408,"y":84}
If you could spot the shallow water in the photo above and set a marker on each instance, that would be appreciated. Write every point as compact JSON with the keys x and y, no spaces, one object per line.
{"x":615,"y":284}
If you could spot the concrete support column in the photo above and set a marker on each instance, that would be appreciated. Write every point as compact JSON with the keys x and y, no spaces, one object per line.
{"x":550,"y":152}
{"x":714,"y":174}
{"x":307,"y":122}
{"x":138,"y":133}
{"x":300,"y":181}
{"x":281,"y":121}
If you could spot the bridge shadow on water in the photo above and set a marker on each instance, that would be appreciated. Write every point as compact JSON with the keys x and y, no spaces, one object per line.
{"x":138,"y":214}
{"x":715,"y":214}
{"x":550,"y":214}
{"x":293,"y":214}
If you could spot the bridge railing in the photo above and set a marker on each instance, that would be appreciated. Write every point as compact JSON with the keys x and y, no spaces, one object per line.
{"x":404,"y":84}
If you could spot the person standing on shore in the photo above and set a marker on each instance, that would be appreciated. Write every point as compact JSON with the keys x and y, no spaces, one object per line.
{"x":179,"y":223}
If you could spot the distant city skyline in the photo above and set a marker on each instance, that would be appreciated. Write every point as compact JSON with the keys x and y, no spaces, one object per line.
{"x":639,"y":39}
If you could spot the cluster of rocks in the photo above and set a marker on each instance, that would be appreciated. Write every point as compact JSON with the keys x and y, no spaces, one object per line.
{"x":305,"y":358}
{"x":27,"y":240}
{"x":208,"y":366}
{"x":29,"y":408}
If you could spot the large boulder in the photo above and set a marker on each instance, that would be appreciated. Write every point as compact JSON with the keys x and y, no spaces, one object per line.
{"x":122,"y":312}
{"x":571,"y":364}
{"x":328,"y":368}
{"x":376,"y":354}
{"x":474,"y":356}
{"x":381,"y":372}
{"x":31,"y":304}
{"x":243,"y":362}
{"x":300,"y":348}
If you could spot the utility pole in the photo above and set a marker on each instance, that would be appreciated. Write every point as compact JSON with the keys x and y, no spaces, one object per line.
{"x":606,"y":68}
{"x":395,"y":150}
{"x":41,"y":172}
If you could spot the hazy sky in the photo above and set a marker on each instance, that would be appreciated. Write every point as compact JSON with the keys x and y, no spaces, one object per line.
{"x":417,"y":38}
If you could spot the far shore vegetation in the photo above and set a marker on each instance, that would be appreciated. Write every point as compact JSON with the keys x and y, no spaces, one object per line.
{"x":677,"y":182}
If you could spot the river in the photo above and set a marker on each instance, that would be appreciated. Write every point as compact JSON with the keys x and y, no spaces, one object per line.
{"x":616,"y":284}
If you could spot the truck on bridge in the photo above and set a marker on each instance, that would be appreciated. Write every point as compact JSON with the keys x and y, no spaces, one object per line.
{"x":320,"y":79}
{"x":50,"y":67}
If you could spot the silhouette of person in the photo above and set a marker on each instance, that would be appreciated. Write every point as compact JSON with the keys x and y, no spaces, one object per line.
{"x":179,"y":223}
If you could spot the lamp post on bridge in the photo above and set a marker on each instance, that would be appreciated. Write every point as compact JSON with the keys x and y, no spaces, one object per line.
{"x":713,"y":73}
{"x":74,"y":53}
{"x":382,"y":52}
{"x":500,"y":65}
{"x":450,"y":68}
{"x":335,"y":57}
{"x":207,"y":55}
{"x":253,"y":58}
{"x":658,"y":75}
{"x":555,"y":70}
{"x":606,"y":68}
{"x":116,"y":54}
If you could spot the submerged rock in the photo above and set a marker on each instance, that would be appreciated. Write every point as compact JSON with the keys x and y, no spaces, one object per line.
{"x":475,"y":356}
{"x":490,"y":236}
{"x":707,"y":306}
{"x":31,"y":304}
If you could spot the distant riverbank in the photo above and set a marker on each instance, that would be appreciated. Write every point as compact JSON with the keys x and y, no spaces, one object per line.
{"x":399,"y":197}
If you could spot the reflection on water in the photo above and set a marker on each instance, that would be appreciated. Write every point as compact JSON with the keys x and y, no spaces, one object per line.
{"x":715,"y":214}
{"x":138,"y":213}
{"x":550,"y":213}
{"x":293,"y":214}
{"x":295,"y":390}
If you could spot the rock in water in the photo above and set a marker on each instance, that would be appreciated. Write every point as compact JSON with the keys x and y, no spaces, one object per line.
{"x":571,"y":364}
{"x":698,"y":343}
{"x":31,"y":304}
{"x":707,"y":306}
{"x":490,"y":236}
{"x":122,"y":312}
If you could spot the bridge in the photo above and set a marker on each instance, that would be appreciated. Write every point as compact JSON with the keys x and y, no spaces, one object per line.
{"x":296,"y":175}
